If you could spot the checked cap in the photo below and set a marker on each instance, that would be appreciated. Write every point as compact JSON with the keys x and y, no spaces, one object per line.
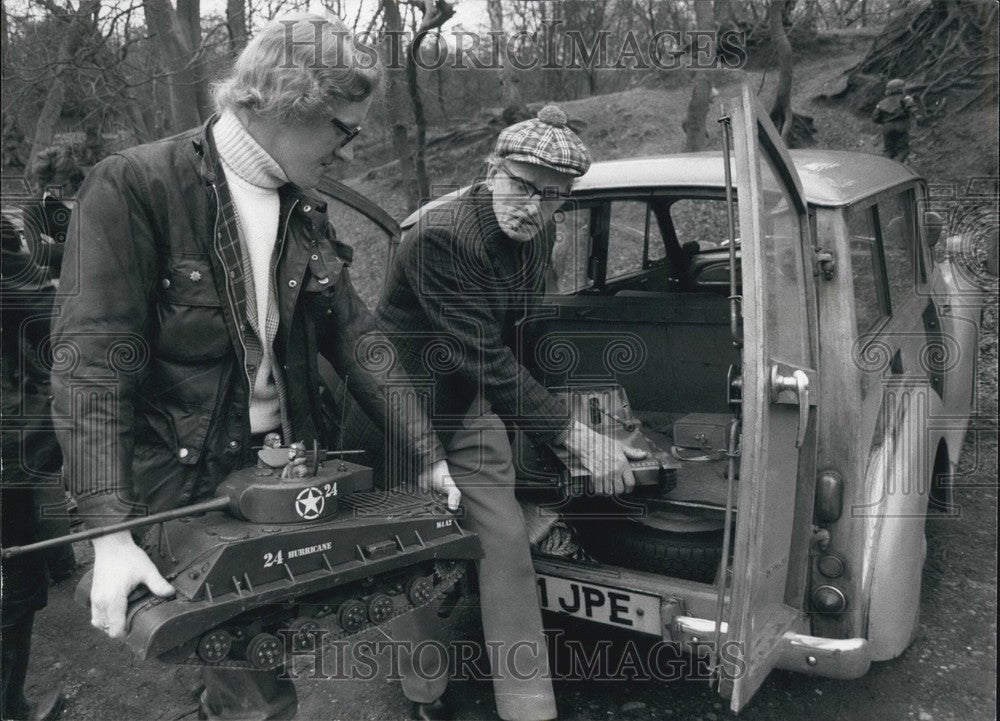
{"x":546,"y":141}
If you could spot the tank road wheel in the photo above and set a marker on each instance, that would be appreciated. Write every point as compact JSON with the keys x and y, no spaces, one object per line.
{"x":303,"y":630}
{"x":214,"y":646}
{"x":264,"y":652}
{"x":419,"y":590}
{"x":352,"y":615}
{"x":379,"y":608}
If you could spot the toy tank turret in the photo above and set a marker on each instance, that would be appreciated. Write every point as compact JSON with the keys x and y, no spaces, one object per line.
{"x":298,"y":550}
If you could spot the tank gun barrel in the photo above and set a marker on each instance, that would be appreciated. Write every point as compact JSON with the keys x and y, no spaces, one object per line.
{"x":216,"y":504}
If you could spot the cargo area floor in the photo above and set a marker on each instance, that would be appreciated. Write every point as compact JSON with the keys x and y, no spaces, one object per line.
{"x":699,"y":483}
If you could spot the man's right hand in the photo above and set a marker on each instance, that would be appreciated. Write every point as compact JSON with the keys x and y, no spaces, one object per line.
{"x":119,"y":567}
{"x":606,"y":458}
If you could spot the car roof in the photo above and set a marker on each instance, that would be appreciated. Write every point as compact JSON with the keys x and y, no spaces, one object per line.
{"x":829,"y":177}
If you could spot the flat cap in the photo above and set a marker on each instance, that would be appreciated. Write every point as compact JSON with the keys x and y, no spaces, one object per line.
{"x":544,"y":140}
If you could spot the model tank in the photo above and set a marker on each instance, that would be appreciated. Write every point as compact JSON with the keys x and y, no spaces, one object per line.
{"x":296,"y":552}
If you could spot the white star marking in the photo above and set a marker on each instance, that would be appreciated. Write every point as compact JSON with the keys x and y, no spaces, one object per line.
{"x":309,"y":503}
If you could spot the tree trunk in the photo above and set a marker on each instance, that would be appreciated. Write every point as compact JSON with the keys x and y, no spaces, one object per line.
{"x":781,"y":108}
{"x":696,"y":136}
{"x":512,"y":104}
{"x":189,"y":17}
{"x":75,"y":28}
{"x":725,"y":15}
{"x":420,"y":118}
{"x":436,"y":14}
{"x":171,"y":44}
{"x":397,"y":106}
{"x":236,"y":21}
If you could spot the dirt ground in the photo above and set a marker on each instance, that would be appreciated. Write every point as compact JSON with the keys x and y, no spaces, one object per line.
{"x":947,"y":674}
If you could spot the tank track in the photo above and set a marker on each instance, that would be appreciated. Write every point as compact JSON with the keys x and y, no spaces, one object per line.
{"x":258,"y":639}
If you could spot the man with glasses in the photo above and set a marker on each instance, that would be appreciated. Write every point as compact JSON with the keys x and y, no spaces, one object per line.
{"x":199,"y":283}
{"x":460,"y":282}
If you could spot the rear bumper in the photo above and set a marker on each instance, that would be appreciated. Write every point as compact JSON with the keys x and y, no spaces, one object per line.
{"x":828,"y":657}
{"x":687,"y":610}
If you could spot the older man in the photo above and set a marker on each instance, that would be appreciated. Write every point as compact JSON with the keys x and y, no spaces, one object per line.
{"x":199,"y":282}
{"x":460,"y":281}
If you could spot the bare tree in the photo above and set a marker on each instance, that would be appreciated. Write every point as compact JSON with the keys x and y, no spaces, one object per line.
{"x":435,"y":14}
{"x":189,"y":17}
{"x":701,"y":94}
{"x":397,"y":104}
{"x":76,"y":26}
{"x":172,"y":37}
{"x":781,"y":108}
{"x":513,"y":108}
{"x":236,"y":24}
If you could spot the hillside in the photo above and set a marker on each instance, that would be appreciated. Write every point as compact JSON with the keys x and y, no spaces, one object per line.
{"x":647,"y":121}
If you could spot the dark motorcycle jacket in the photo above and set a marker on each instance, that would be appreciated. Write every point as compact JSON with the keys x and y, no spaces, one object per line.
{"x":150,"y":377}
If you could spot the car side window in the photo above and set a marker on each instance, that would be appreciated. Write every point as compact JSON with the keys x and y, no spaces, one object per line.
{"x":630,"y":223}
{"x":866,"y":268}
{"x":702,"y":220}
{"x":896,"y":226}
{"x":567,"y":269}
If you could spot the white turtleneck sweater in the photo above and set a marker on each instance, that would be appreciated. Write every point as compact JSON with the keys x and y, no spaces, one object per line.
{"x":254,"y":177}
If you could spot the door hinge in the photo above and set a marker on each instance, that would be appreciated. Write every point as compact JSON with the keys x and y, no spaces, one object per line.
{"x":826,"y":264}
{"x":734,"y":387}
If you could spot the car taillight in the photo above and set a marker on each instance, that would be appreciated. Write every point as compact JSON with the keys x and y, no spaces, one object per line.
{"x":828,"y":599}
{"x":829,"y":496}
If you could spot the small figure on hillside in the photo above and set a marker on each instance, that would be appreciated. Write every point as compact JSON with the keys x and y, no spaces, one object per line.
{"x":894,"y":113}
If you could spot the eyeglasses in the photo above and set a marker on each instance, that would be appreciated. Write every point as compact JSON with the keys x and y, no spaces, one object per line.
{"x":349,"y":132}
{"x":529,"y":189}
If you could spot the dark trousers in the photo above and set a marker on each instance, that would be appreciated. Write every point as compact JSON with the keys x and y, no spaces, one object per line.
{"x":896,"y":143}
{"x":480,"y":459}
{"x":16,"y":648}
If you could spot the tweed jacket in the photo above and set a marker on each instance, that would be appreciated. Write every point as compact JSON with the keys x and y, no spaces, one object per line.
{"x":153,"y":350}
{"x":457,"y":288}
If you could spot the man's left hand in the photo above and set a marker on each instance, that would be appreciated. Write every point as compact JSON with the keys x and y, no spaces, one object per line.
{"x":437,"y":479}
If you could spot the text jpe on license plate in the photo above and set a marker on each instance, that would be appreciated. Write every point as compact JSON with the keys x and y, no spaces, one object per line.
{"x":601,"y":604}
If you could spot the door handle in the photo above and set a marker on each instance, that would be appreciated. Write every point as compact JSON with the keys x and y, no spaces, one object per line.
{"x":797,"y":383}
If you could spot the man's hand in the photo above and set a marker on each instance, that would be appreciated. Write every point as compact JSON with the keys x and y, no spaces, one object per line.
{"x":437,"y":478}
{"x":605,"y":458}
{"x":120,"y":566}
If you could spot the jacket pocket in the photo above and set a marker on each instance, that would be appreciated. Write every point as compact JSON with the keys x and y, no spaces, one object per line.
{"x":190,"y":326}
{"x":177,"y":431}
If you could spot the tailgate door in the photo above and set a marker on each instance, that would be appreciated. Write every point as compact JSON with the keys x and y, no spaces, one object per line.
{"x":777,"y":466}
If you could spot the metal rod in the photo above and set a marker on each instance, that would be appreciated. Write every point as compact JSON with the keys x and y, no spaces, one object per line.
{"x":735,"y":329}
{"x":735,"y":428}
{"x":216,"y":504}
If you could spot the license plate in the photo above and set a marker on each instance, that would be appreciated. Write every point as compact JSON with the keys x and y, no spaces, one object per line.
{"x":601,"y":604}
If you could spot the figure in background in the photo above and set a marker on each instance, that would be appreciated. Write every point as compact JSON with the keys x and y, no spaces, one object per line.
{"x":32,"y":503}
{"x":55,"y":177}
{"x":895,"y":113}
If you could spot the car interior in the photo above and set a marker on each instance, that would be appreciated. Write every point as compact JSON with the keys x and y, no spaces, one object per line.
{"x":638,"y":341}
